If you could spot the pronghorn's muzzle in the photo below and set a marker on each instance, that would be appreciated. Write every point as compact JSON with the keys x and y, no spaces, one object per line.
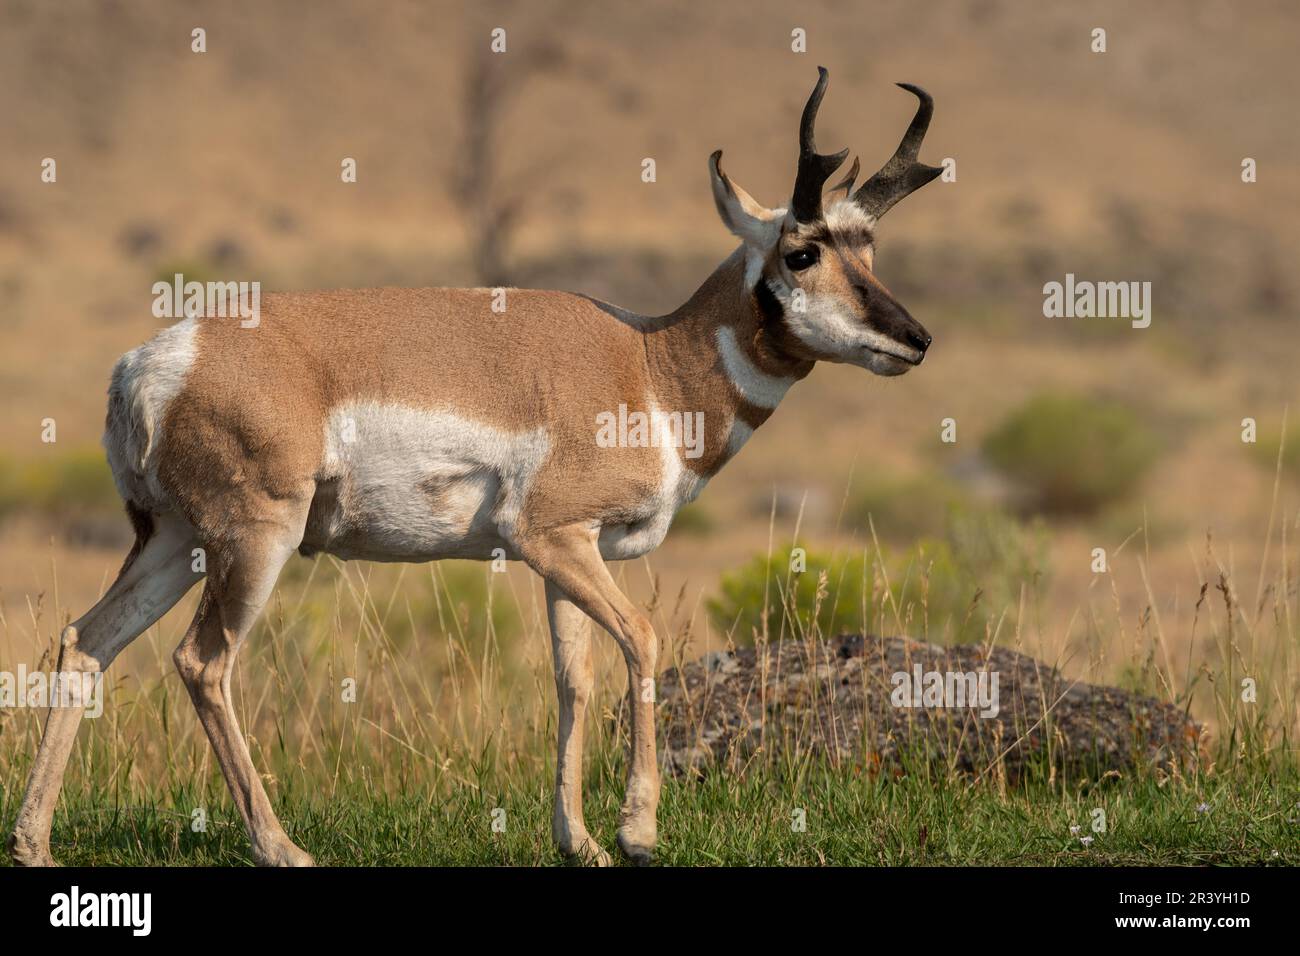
{"x":915,"y":335}
{"x":890,"y":319}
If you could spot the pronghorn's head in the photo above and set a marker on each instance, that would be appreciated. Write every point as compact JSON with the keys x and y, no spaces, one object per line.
{"x":810,"y":266}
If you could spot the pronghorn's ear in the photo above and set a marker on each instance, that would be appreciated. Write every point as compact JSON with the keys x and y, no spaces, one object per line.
{"x":746,"y":217}
{"x":842,"y":189}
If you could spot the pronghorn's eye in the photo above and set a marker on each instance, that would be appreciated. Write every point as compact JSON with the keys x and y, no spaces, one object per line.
{"x":801,"y":259}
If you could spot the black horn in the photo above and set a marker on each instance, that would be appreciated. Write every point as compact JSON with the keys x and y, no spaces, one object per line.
{"x":904,"y":173}
{"x":814,"y":167}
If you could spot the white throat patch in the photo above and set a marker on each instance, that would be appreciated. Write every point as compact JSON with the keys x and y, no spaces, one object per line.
{"x":753,"y":384}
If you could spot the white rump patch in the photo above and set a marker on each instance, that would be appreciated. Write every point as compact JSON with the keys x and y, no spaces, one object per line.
{"x":145,"y":381}
{"x":754,"y":385}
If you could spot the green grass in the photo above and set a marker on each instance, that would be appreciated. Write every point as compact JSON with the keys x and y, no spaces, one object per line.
{"x":454,"y":719}
{"x":851,"y":819}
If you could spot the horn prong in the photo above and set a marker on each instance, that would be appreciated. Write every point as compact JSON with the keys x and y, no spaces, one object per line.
{"x":904,"y":173}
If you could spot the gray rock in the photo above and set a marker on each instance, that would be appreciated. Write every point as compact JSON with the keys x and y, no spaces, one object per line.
{"x":843,"y":700}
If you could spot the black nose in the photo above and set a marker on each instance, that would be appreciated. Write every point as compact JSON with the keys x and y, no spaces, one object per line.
{"x":919,"y":339}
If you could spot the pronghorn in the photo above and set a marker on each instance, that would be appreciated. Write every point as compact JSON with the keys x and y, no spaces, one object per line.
{"x":417,"y":424}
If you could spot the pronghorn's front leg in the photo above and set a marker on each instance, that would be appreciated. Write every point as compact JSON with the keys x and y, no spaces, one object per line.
{"x":569,"y":560}
{"x":241,"y":577}
{"x":571,"y":645}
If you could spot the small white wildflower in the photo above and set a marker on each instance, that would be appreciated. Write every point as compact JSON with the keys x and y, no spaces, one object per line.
{"x":1086,"y":841}
{"x":1074,"y":829}
{"x":1203,"y":808}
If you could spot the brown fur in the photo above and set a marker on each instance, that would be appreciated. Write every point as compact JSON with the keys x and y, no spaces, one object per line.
{"x":248,"y":424}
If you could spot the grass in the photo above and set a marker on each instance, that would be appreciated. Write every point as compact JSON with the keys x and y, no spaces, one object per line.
{"x":749,"y":820}
{"x":407,"y":777}
{"x":453,"y":722}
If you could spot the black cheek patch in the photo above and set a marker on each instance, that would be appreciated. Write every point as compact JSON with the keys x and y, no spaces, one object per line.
{"x":768,"y":303}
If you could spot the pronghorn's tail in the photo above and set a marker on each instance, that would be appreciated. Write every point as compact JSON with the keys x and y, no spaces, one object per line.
{"x":144,"y":382}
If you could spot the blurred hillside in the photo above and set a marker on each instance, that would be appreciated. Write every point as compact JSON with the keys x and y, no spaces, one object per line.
{"x":1117,"y":166}
{"x":1123,"y":164}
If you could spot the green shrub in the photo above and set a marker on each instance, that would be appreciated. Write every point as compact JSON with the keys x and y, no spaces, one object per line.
{"x":58,"y":483}
{"x":766,"y":590}
{"x":1070,"y":454}
{"x":1265,"y":453}
{"x":957,"y":586}
{"x":905,"y":509}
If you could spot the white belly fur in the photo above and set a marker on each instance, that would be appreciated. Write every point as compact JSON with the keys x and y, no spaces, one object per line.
{"x":407,"y":484}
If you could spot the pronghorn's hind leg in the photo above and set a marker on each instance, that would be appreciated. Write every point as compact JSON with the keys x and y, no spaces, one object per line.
{"x":154,"y":578}
{"x":241,"y":574}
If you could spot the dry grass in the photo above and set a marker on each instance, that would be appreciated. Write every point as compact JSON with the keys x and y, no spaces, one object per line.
{"x":450,"y":663}
{"x":453,"y":719}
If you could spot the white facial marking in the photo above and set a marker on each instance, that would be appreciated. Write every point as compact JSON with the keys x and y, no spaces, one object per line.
{"x":827,"y":325}
{"x":753,"y":384}
{"x":833,"y":327}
